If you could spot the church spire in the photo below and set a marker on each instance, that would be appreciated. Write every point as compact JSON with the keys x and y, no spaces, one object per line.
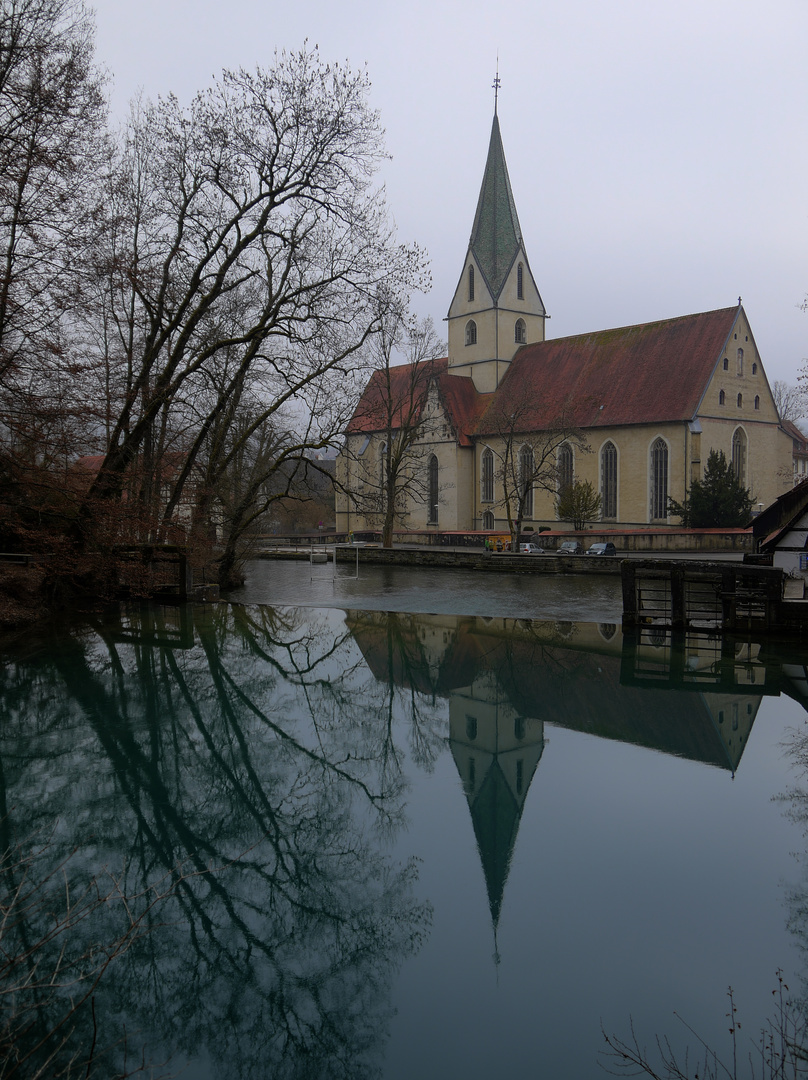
{"x":496,"y":307}
{"x":496,"y":235}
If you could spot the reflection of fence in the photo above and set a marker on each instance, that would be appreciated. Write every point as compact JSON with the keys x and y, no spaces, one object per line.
{"x":691,"y":594}
{"x":656,"y":657}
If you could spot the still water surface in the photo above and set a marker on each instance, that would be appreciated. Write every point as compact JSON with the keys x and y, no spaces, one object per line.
{"x":447,"y":844}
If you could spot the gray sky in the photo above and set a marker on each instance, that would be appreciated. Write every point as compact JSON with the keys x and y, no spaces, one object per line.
{"x":657,"y":149}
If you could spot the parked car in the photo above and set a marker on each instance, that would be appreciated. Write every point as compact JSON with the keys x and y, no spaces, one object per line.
{"x":602,"y":549}
{"x":571,"y":547}
{"x":530,"y":549}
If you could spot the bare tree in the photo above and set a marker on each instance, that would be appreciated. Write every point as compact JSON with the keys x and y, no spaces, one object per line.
{"x":527,"y":461}
{"x":393,"y":409}
{"x":789,"y":400}
{"x":52,"y":113}
{"x":245,"y":236}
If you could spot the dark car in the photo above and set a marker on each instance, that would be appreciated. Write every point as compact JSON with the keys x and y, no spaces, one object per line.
{"x":571,"y":547}
{"x":602,"y":549}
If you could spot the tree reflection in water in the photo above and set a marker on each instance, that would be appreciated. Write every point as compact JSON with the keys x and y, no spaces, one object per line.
{"x":227,"y":754}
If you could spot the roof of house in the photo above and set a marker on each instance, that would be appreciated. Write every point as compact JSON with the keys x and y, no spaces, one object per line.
{"x":771,"y":524}
{"x":407,"y":392}
{"x":651,"y":373}
{"x":408,"y":389}
{"x":799,"y":437}
{"x":496,"y":234}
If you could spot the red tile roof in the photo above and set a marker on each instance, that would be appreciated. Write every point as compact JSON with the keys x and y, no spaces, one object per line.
{"x":651,"y":373}
{"x":408,"y":389}
{"x":799,"y":437}
{"x":648,"y":374}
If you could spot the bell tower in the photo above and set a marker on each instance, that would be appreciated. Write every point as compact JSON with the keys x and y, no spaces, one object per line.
{"x":496,"y":306}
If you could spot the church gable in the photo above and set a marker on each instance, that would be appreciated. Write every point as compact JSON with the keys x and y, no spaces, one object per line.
{"x":739,"y":390}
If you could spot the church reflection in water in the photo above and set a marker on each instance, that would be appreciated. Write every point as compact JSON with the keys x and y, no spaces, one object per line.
{"x":504,"y":681}
{"x":186,"y":738}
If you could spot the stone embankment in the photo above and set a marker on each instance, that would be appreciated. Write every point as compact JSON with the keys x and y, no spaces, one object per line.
{"x":462,"y":559}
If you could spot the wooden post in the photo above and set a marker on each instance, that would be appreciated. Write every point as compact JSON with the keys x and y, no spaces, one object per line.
{"x":186,"y":581}
{"x":678,"y":613}
{"x":628,"y":576}
{"x":728,"y":598}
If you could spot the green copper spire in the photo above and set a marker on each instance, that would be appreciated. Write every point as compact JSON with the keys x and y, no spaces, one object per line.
{"x":496,"y":235}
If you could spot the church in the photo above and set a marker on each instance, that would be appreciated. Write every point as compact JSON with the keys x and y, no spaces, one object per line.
{"x":497,"y":430}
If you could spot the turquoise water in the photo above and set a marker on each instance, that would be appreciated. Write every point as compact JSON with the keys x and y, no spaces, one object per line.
{"x":402,"y":844}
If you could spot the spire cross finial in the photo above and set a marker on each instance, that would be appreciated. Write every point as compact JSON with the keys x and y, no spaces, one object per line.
{"x":496,"y":85}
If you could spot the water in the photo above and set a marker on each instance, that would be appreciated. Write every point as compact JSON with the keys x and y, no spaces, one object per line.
{"x":454,"y":592}
{"x":410,"y":844}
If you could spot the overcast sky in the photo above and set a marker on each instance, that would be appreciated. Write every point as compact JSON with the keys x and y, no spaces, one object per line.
{"x":657,"y":149}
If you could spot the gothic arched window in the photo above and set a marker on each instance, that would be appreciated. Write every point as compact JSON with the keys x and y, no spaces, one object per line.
{"x":659,"y":479}
{"x":608,"y":481}
{"x":432,"y":492}
{"x":526,"y":480}
{"x":565,"y":467}
{"x":739,"y":455}
{"x":471,"y":332}
{"x":740,"y":401}
{"x":722,"y":397}
{"x":488,"y":519}
{"x":520,"y":332}
{"x":487,"y":476}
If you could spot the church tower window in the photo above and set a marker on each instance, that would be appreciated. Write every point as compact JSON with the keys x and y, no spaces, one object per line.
{"x":659,"y":479}
{"x":757,"y":401}
{"x":740,"y":401}
{"x":520,"y":288}
{"x":722,"y":397}
{"x":520,"y":332}
{"x":471,"y":332}
{"x":471,"y":283}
